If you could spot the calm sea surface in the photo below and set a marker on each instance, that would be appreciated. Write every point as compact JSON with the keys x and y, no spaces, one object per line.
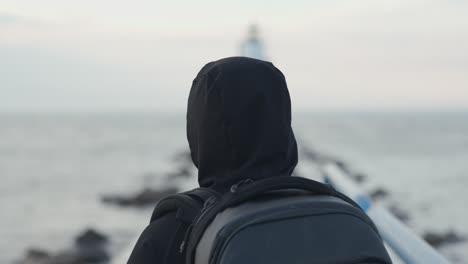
{"x":54,"y":168}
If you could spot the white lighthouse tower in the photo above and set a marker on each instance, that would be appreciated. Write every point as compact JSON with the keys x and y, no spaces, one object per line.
{"x":252,"y":46}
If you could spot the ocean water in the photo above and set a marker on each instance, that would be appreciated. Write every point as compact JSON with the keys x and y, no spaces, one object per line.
{"x":55,"y":167}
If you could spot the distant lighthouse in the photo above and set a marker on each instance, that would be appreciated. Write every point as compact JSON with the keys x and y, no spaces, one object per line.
{"x":252,"y":46}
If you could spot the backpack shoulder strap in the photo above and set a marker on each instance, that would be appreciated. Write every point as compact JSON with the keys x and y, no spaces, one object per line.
{"x":244,"y":192}
{"x":187,"y":205}
{"x":247,"y":190}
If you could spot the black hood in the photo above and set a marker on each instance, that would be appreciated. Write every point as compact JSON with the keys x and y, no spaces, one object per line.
{"x":239,"y":123}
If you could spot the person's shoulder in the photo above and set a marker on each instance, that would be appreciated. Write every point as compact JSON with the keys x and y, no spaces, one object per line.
{"x":162,"y":228}
{"x":153,"y":242}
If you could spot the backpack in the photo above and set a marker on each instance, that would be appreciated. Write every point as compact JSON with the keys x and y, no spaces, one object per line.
{"x":274,"y":221}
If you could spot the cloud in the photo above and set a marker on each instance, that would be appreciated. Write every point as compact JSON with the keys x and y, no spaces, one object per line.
{"x":12,"y":19}
{"x":389,"y":53}
{"x":6,"y":18}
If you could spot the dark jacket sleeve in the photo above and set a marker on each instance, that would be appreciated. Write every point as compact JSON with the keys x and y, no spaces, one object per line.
{"x":156,"y":243}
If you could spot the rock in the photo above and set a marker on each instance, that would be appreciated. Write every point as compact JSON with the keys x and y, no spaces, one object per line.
{"x":311,"y":155}
{"x":359,"y":177}
{"x":181,"y":172}
{"x":91,"y":254}
{"x":342,"y":165}
{"x":35,"y":256}
{"x":399,"y":213}
{"x":90,"y":248}
{"x":144,"y":198}
{"x":441,"y":239}
{"x":35,"y":253}
{"x":91,"y":237}
{"x":316,"y":156}
{"x":378,"y":193}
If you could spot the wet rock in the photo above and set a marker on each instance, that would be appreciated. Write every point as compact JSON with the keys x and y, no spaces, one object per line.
{"x":379,"y":193}
{"x":321,"y":158}
{"x":35,"y":255}
{"x":311,"y":155}
{"x":343,"y":166}
{"x":399,"y":213}
{"x":359,"y":177}
{"x":317,"y":157}
{"x":441,"y":239}
{"x":181,"y":172}
{"x":90,"y":248}
{"x":340,"y":164}
{"x":147,"y":197}
{"x":91,"y":237}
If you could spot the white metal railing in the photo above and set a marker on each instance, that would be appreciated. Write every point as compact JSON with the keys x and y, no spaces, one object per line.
{"x":409,"y":247}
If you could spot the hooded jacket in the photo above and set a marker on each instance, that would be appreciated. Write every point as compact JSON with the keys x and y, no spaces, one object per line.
{"x":239,"y":123}
{"x":238,"y":128}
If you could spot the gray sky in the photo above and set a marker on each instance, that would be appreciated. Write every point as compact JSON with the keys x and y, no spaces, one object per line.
{"x":89,"y":55}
